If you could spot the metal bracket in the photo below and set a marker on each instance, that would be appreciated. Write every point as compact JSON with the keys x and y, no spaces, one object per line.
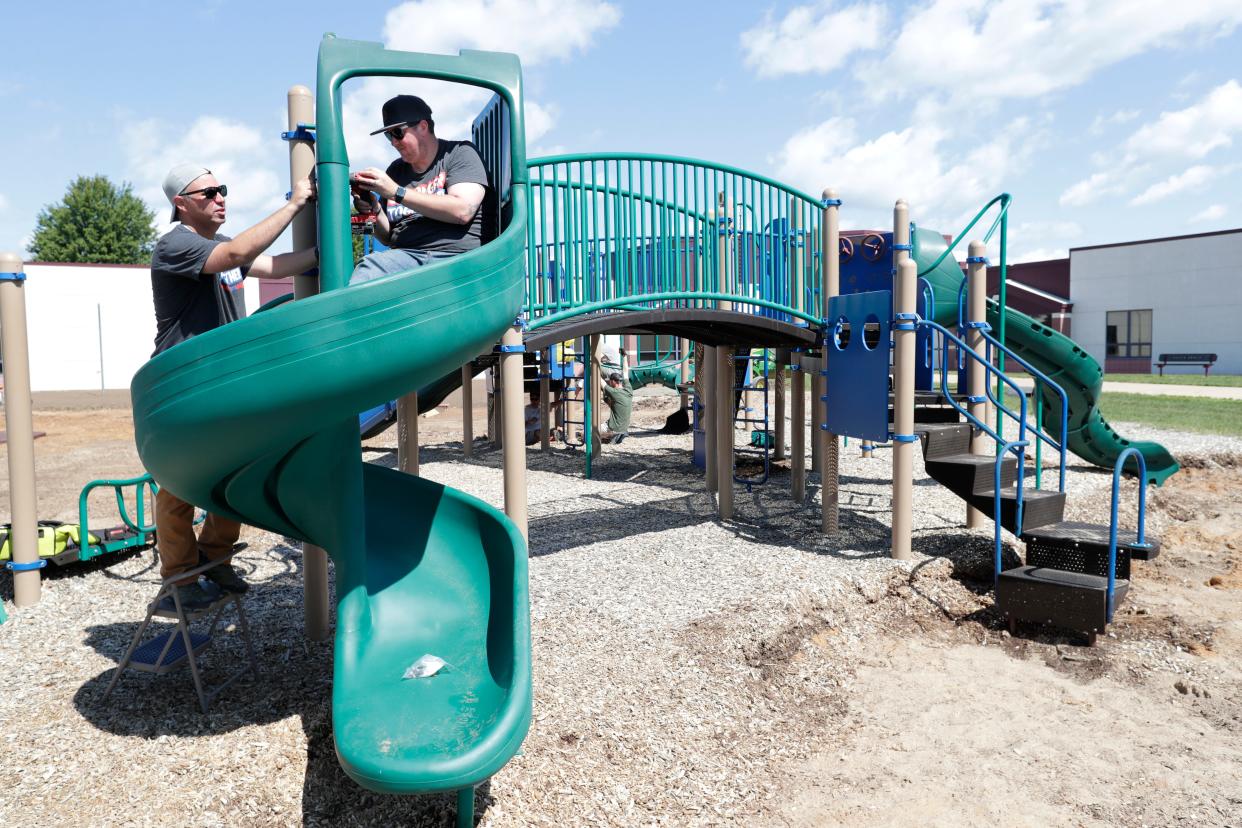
{"x":25,"y":567}
{"x":304,"y":132}
{"x":906,"y":321}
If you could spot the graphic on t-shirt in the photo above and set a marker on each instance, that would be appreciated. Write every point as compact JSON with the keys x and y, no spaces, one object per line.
{"x":433,"y":186}
{"x":232,"y":279}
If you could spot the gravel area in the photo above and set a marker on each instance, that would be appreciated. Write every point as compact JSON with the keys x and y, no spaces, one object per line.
{"x":687,"y":672}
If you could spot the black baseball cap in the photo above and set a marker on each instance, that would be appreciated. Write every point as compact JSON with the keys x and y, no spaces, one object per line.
{"x":404,"y":109}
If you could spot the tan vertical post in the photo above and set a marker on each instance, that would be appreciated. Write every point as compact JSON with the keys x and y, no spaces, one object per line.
{"x":797,"y":427}
{"x":904,"y":302}
{"x":19,"y":422}
{"x":976,"y":311}
{"x":407,"y":433}
{"x":513,"y":426}
{"x":831,"y":272}
{"x":724,"y":431}
{"x":685,"y":372}
{"x":467,"y":409}
{"x":301,"y":164}
{"x":596,"y":343}
{"x":777,"y":375}
{"x":545,"y":406}
{"x":709,"y":416}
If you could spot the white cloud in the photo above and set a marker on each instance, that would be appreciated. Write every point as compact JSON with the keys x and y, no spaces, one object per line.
{"x":872,"y":173}
{"x":980,"y":50}
{"x":1039,"y":254}
{"x":1195,"y":131}
{"x":1212,"y":213}
{"x":4,"y":202}
{"x":1121,"y":116}
{"x":1192,"y":179}
{"x":254,"y":166}
{"x":539,"y":31}
{"x":812,"y":39}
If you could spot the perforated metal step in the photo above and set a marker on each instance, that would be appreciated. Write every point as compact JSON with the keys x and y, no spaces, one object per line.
{"x":1072,"y":600}
{"x":1083,"y":547}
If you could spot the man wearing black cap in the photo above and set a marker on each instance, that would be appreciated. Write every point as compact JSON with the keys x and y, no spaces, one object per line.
{"x":428,"y":200}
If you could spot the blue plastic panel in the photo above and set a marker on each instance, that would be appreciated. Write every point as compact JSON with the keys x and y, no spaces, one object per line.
{"x":924,"y":347}
{"x":857,"y":374}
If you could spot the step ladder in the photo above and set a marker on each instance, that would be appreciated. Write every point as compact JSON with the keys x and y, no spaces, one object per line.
{"x":180,"y":643}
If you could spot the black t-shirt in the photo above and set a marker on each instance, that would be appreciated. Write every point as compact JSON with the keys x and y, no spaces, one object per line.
{"x":456,"y":162}
{"x":188,"y":301}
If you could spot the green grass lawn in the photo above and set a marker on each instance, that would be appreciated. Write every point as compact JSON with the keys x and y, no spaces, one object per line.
{"x":1222,"y":381}
{"x":1198,"y":414}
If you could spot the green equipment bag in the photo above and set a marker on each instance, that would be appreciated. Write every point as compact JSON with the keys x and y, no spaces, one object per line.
{"x":54,"y":537}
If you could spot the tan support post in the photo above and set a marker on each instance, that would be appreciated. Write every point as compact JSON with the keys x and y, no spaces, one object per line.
{"x":797,"y":428}
{"x":19,"y":422}
{"x":407,"y":433}
{"x":545,"y":407}
{"x":830,"y":271}
{"x":301,"y":163}
{"x":724,"y":432}
{"x":467,"y":410}
{"x":904,"y":301}
{"x":513,"y":426}
{"x":685,"y":372}
{"x":777,"y":374}
{"x":596,"y":343}
{"x":709,"y":416}
{"x":976,"y":311}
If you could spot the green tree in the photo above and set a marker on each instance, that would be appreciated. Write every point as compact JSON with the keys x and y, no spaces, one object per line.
{"x":98,"y":222}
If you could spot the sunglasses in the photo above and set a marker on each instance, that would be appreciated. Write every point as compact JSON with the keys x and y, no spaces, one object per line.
{"x":398,"y":132}
{"x":210,"y":192}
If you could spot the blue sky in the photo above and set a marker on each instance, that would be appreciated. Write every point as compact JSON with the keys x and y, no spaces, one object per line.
{"x":1108,"y":120}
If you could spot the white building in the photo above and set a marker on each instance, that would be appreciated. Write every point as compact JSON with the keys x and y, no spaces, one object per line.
{"x":91,"y":326}
{"x":1134,"y":301}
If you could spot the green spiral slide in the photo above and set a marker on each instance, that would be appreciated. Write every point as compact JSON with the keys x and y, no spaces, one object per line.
{"x":1053,"y":353}
{"x":259,"y":420}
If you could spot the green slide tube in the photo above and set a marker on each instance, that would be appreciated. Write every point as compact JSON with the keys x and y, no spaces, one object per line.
{"x":258,"y":420}
{"x":1058,"y":356}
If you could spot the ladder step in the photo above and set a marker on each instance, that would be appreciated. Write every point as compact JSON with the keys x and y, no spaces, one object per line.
{"x":1073,"y":600}
{"x":147,"y":656}
{"x":1083,"y":547}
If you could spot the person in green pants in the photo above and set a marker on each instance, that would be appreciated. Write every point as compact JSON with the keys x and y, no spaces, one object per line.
{"x":619,"y":395}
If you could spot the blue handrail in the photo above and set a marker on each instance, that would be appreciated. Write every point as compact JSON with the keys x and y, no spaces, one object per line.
{"x":1112,"y":523}
{"x":964,"y":351}
{"x":1018,"y":447}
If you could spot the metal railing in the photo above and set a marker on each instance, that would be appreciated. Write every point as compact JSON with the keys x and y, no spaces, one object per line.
{"x":626,"y":231}
{"x":1139,"y":538}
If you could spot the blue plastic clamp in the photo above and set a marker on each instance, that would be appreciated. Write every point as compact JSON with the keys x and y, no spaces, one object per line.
{"x":520,"y":323}
{"x":977,"y":260}
{"x":904,"y":438}
{"x":795,"y":368}
{"x":906,"y":321}
{"x":977,"y":326}
{"x":976,"y":398}
{"x":25,"y":567}
{"x":304,"y":132}
{"x":12,"y":277}
{"x":509,"y":349}
{"x":831,"y":202}
{"x":906,"y":247}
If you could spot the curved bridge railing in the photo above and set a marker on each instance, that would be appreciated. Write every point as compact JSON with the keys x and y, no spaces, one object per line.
{"x":613,"y":231}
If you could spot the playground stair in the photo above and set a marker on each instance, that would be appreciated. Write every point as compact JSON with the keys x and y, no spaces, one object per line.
{"x":1065,"y":578}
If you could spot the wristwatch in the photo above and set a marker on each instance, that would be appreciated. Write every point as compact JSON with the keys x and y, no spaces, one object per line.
{"x":399,"y":195}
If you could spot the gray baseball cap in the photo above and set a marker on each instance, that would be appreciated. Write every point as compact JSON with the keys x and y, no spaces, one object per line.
{"x":178,"y":178}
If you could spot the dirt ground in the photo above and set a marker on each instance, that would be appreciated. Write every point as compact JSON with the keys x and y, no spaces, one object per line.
{"x":943,"y":718}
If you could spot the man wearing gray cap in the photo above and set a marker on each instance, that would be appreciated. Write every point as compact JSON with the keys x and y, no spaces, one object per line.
{"x":428,"y":201}
{"x":196,"y":281}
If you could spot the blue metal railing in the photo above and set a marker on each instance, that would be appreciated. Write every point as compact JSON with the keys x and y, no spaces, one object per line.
{"x":1018,"y":447}
{"x":1140,"y":540}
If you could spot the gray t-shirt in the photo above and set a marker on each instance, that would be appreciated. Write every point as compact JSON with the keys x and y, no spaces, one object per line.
{"x":188,"y":301}
{"x":456,"y":162}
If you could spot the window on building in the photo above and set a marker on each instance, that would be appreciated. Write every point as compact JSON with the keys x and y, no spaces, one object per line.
{"x":1128,"y":333}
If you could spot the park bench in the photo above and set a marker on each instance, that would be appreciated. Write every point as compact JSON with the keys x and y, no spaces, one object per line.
{"x":1206,"y":360}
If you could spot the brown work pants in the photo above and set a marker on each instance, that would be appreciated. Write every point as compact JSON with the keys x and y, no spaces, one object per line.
{"x":174,"y":535}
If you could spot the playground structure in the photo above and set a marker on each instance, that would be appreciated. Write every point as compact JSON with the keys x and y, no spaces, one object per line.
{"x":591,"y":245}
